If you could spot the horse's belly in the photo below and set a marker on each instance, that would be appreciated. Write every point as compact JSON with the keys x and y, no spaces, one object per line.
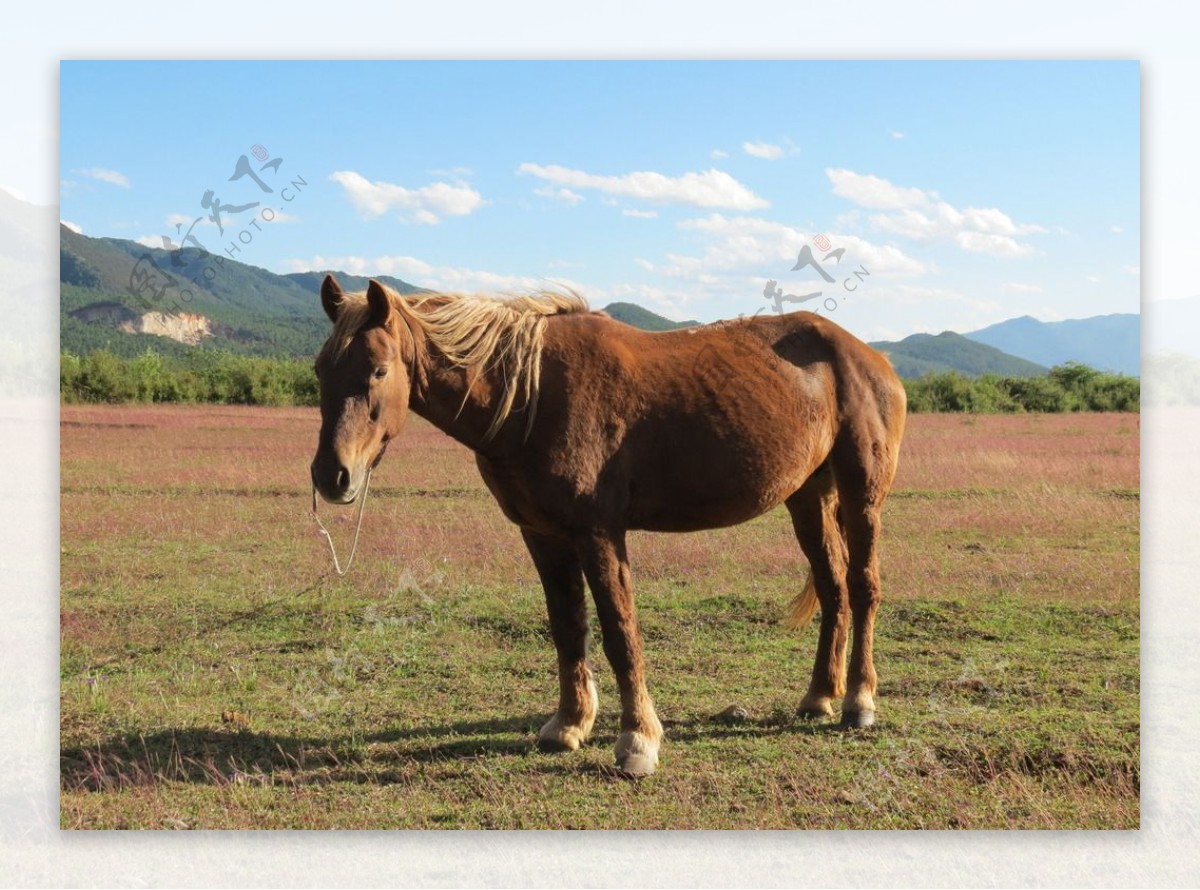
{"x":711,"y":473}
{"x":682,"y":504}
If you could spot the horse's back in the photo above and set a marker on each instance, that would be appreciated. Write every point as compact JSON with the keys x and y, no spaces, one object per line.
{"x":700,"y":427}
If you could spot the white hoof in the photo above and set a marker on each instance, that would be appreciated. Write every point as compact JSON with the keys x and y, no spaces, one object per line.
{"x":637,"y":754}
{"x":560,"y":735}
{"x":814,"y":707}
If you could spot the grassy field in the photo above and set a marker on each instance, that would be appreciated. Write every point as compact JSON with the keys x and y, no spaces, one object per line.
{"x":216,"y":674}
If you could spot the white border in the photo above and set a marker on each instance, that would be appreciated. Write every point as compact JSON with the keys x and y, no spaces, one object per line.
{"x":34,"y":853}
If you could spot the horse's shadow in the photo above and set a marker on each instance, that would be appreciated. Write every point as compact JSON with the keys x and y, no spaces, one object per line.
{"x":243,"y":756}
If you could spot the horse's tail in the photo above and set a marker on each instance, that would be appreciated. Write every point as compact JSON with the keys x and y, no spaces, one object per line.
{"x":803,"y":606}
{"x":823,"y":491}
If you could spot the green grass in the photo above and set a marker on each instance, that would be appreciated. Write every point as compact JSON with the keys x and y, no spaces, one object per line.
{"x":408,"y":694}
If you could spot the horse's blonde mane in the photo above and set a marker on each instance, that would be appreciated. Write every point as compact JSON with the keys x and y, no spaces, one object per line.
{"x":477,"y":333}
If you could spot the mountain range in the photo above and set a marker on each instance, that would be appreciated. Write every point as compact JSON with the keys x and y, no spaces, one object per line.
{"x":1106,"y":342}
{"x":125,"y":297}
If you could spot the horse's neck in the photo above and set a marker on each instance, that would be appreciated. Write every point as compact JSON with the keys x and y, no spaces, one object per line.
{"x":451,"y":399}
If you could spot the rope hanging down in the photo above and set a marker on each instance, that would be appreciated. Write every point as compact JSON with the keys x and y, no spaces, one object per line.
{"x":337,"y":567}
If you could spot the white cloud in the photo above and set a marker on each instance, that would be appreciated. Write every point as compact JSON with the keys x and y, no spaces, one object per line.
{"x":1019,"y":288}
{"x":152,"y":241}
{"x":850,"y":219}
{"x":1132,"y":270}
{"x":996,"y":245}
{"x":895,"y":134}
{"x":1117,"y":230}
{"x":74,"y":227}
{"x":458,"y":279}
{"x":186,"y":219}
{"x":872,"y":192}
{"x":765,"y":150}
{"x":711,"y":188}
{"x":110,"y":176}
{"x":993,"y":221}
{"x":644,"y":263}
{"x":717,"y":154}
{"x":881,"y":259}
{"x":915,"y":224}
{"x":179,"y":224}
{"x":641,"y":214}
{"x":752,"y":244}
{"x":916,"y":294}
{"x":428,"y":204}
{"x":565,"y":195}
{"x":1094,"y":279}
{"x":399,"y":266}
{"x":740,"y":242}
{"x":924,"y":216}
{"x":670,"y":303}
{"x":453,"y":172}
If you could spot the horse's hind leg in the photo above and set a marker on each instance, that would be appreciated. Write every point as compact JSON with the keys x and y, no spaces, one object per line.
{"x":562,"y":578}
{"x":864,"y":464}
{"x":814,"y":517}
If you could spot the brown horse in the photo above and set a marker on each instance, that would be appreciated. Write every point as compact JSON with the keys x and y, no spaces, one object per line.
{"x":584,"y":428}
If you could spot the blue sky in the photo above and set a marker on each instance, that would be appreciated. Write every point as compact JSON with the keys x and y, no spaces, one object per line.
{"x":971,"y":192}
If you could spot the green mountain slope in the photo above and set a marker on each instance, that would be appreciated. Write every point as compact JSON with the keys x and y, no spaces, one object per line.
{"x":928,"y":353}
{"x":104,"y":281}
{"x":633,"y":314}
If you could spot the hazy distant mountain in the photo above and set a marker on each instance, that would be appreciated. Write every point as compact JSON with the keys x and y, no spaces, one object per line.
{"x":1107,"y":342}
{"x":922,"y":354}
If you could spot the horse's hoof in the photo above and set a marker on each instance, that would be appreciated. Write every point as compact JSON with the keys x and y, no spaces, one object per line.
{"x":815,"y":707}
{"x":857,"y":719}
{"x":557,"y":737}
{"x":556,"y":745}
{"x":637,"y":753}
{"x":637,"y":766}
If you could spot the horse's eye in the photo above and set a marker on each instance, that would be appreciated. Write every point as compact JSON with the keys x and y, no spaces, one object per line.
{"x":380,"y":372}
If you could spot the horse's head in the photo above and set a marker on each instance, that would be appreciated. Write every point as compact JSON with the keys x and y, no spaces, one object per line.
{"x":363,"y":374}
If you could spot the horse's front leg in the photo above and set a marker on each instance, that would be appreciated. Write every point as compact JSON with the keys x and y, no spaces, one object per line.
{"x":607,"y":569}
{"x":558,"y":567}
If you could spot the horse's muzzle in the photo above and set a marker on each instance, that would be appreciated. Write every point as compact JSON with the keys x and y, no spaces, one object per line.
{"x":333,"y":483}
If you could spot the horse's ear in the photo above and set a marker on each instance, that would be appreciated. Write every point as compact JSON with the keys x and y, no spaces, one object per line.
{"x":379,"y":302}
{"x":331,"y":297}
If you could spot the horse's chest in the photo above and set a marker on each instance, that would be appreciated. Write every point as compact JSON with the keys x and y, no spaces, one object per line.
{"x":528,"y":500}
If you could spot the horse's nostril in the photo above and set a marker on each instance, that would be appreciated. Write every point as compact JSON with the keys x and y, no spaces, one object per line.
{"x":343,"y":479}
